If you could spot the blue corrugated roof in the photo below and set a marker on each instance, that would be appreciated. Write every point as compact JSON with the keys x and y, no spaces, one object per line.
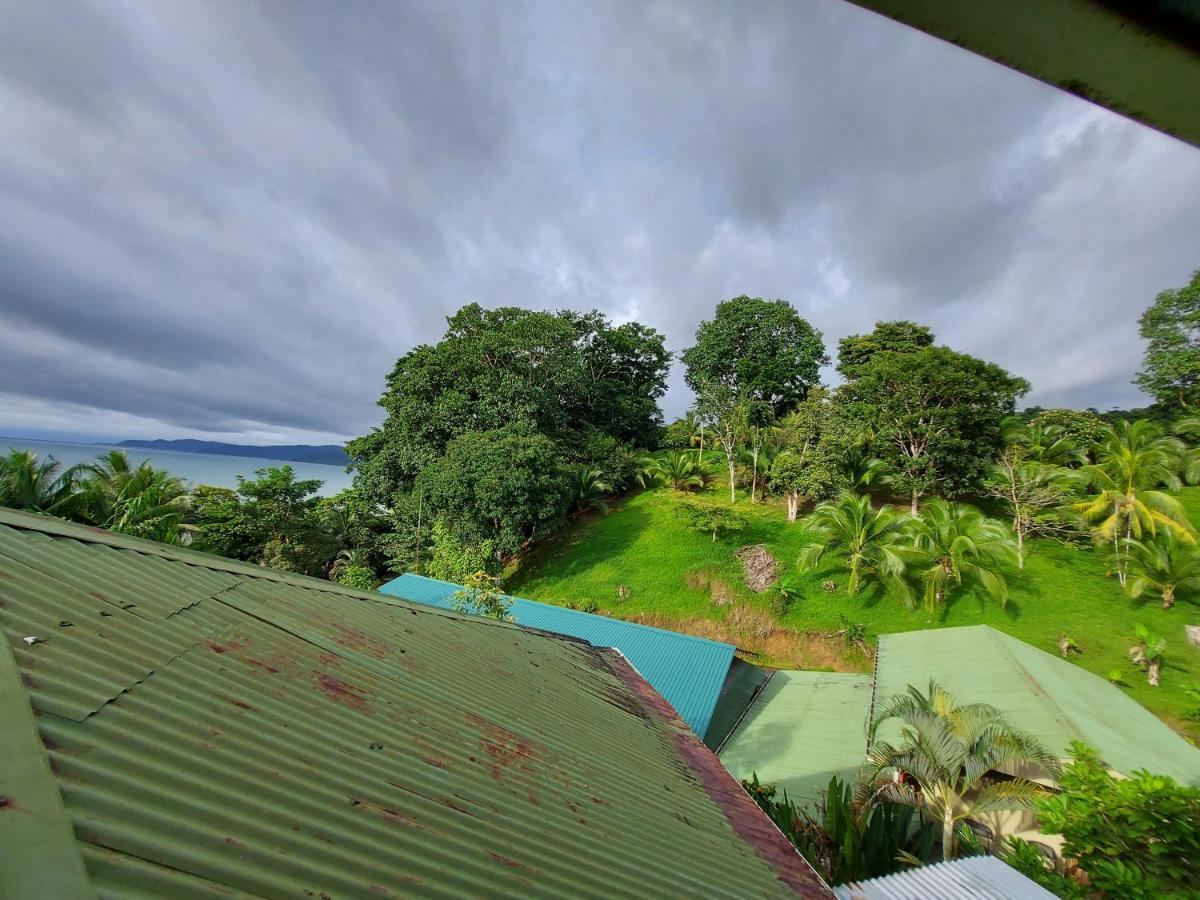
{"x":687,"y":671}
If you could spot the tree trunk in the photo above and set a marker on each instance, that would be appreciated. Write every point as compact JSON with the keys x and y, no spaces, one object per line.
{"x":1168,"y":596}
{"x":916,"y":502}
{"x":754,"y":479}
{"x":700,"y":452}
{"x":1020,"y":549}
{"x":793,"y":505}
{"x":948,"y":836}
{"x":732,"y":481}
{"x":1153,"y":670}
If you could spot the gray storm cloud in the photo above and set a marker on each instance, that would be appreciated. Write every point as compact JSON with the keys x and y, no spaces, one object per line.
{"x":230,"y":218}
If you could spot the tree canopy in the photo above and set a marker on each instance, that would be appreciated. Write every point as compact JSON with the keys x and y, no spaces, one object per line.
{"x":856,"y":350}
{"x":762,"y":351}
{"x":935,"y":415}
{"x":1171,"y":328}
{"x":565,"y":375}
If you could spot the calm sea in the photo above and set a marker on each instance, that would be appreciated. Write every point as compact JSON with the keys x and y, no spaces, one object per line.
{"x":197,"y":468}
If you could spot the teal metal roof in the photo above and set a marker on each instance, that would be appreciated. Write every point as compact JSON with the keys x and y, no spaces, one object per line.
{"x":1050,"y":697}
{"x":804,"y":728}
{"x":175,"y":724}
{"x":688,"y":671}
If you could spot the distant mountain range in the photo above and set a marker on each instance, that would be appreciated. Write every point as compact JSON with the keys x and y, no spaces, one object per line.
{"x":326,"y":454}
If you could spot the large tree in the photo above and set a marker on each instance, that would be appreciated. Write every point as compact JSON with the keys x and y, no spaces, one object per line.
{"x":935,"y":415}
{"x":856,"y":350}
{"x":753,"y":362}
{"x":506,"y":485}
{"x":565,"y":375}
{"x":763,"y":351}
{"x":1171,"y":328}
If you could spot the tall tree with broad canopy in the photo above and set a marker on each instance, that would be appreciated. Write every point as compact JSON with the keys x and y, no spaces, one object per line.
{"x":1171,"y":328}
{"x":565,"y":375}
{"x":753,"y":362}
{"x":856,"y":350}
{"x":935,"y":416}
{"x":762,"y":350}
{"x":507,"y":485}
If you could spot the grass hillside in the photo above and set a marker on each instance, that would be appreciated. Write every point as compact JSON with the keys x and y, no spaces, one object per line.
{"x":674,"y":577}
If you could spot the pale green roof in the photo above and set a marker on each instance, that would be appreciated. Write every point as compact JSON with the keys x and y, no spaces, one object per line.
{"x":1055,"y":700}
{"x":804,"y":728}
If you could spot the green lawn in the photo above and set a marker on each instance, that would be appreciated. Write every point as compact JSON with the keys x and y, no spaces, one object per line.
{"x":673,"y":574}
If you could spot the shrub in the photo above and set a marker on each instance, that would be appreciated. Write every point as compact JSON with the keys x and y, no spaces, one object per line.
{"x":361,"y":577}
{"x":1137,"y":837}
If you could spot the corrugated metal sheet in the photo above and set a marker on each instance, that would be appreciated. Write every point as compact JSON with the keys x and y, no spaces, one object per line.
{"x":216,"y":733}
{"x":688,"y":671}
{"x":974,"y":878}
{"x":1050,"y":697}
{"x":741,"y":687}
{"x":804,"y":728}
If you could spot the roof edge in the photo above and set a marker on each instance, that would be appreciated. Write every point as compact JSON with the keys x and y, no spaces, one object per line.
{"x":748,"y":821}
{"x":36,"y":835}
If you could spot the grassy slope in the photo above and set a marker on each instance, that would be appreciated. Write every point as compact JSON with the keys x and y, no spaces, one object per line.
{"x":672,"y":575}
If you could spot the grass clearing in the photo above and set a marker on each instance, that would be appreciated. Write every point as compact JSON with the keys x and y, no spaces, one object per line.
{"x":679,"y":579}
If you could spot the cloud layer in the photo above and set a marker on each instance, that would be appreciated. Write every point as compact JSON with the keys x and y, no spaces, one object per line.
{"x":229,"y":219}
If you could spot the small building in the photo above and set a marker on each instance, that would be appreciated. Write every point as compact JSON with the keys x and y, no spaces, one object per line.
{"x":689,"y":672}
{"x":803,"y":728}
{"x":178,"y":724}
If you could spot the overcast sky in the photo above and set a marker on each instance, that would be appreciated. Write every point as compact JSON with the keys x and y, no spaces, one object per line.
{"x":228,"y":219}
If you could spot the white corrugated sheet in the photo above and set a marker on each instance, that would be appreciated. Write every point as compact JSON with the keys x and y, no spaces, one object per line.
{"x":973,"y":878}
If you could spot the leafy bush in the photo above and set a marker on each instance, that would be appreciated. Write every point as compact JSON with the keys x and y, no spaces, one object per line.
{"x":481,"y":596}
{"x":1136,"y":838}
{"x":454,"y":560}
{"x":361,"y":577}
{"x":710,"y":516}
{"x":842,"y":842}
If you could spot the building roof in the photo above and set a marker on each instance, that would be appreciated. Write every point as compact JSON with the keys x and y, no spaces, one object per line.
{"x":742,"y":686}
{"x":972,"y":878}
{"x":804,"y":728}
{"x":1055,"y":700}
{"x":1139,"y":58}
{"x":688,"y":671}
{"x":174,"y":723}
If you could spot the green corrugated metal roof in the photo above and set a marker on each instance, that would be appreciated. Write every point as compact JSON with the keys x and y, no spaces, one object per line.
{"x":215,"y":729}
{"x":688,"y":671}
{"x":804,"y":728}
{"x":1050,"y":697}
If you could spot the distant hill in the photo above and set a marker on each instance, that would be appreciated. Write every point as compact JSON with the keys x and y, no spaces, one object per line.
{"x":327,"y":454}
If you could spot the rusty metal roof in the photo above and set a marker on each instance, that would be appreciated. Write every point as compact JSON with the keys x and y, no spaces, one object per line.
{"x":688,"y":671}
{"x":184,"y":725}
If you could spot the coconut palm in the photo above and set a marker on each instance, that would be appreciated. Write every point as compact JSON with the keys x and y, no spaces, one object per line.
{"x":588,"y":489}
{"x":1132,"y":463}
{"x":873,"y":541}
{"x":26,"y":483}
{"x":694,"y":425}
{"x":953,"y":543}
{"x":861,"y":470}
{"x":942,"y":763}
{"x":1189,"y":460}
{"x":675,"y":469}
{"x":350,"y":558}
{"x":138,"y":500}
{"x":1049,"y":444}
{"x":1164,"y":564}
{"x":1147,"y":653}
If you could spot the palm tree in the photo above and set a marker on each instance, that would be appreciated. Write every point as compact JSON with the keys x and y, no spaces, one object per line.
{"x":861,"y":470}
{"x":953,"y":543}
{"x":1148,"y":652}
{"x":42,"y":487}
{"x":695,"y":433}
{"x":1165,"y":564}
{"x":872,"y":539}
{"x":589,"y":489}
{"x":1132,"y":463}
{"x":138,"y":500}
{"x":1049,"y":444}
{"x":348,"y":558}
{"x":941,"y":765}
{"x":673,"y":468}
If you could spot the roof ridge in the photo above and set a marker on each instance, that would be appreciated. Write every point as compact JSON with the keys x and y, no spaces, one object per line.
{"x":1000,"y":640}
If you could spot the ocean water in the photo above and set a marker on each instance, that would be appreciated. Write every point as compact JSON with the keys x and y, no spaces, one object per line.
{"x":194,"y":468}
